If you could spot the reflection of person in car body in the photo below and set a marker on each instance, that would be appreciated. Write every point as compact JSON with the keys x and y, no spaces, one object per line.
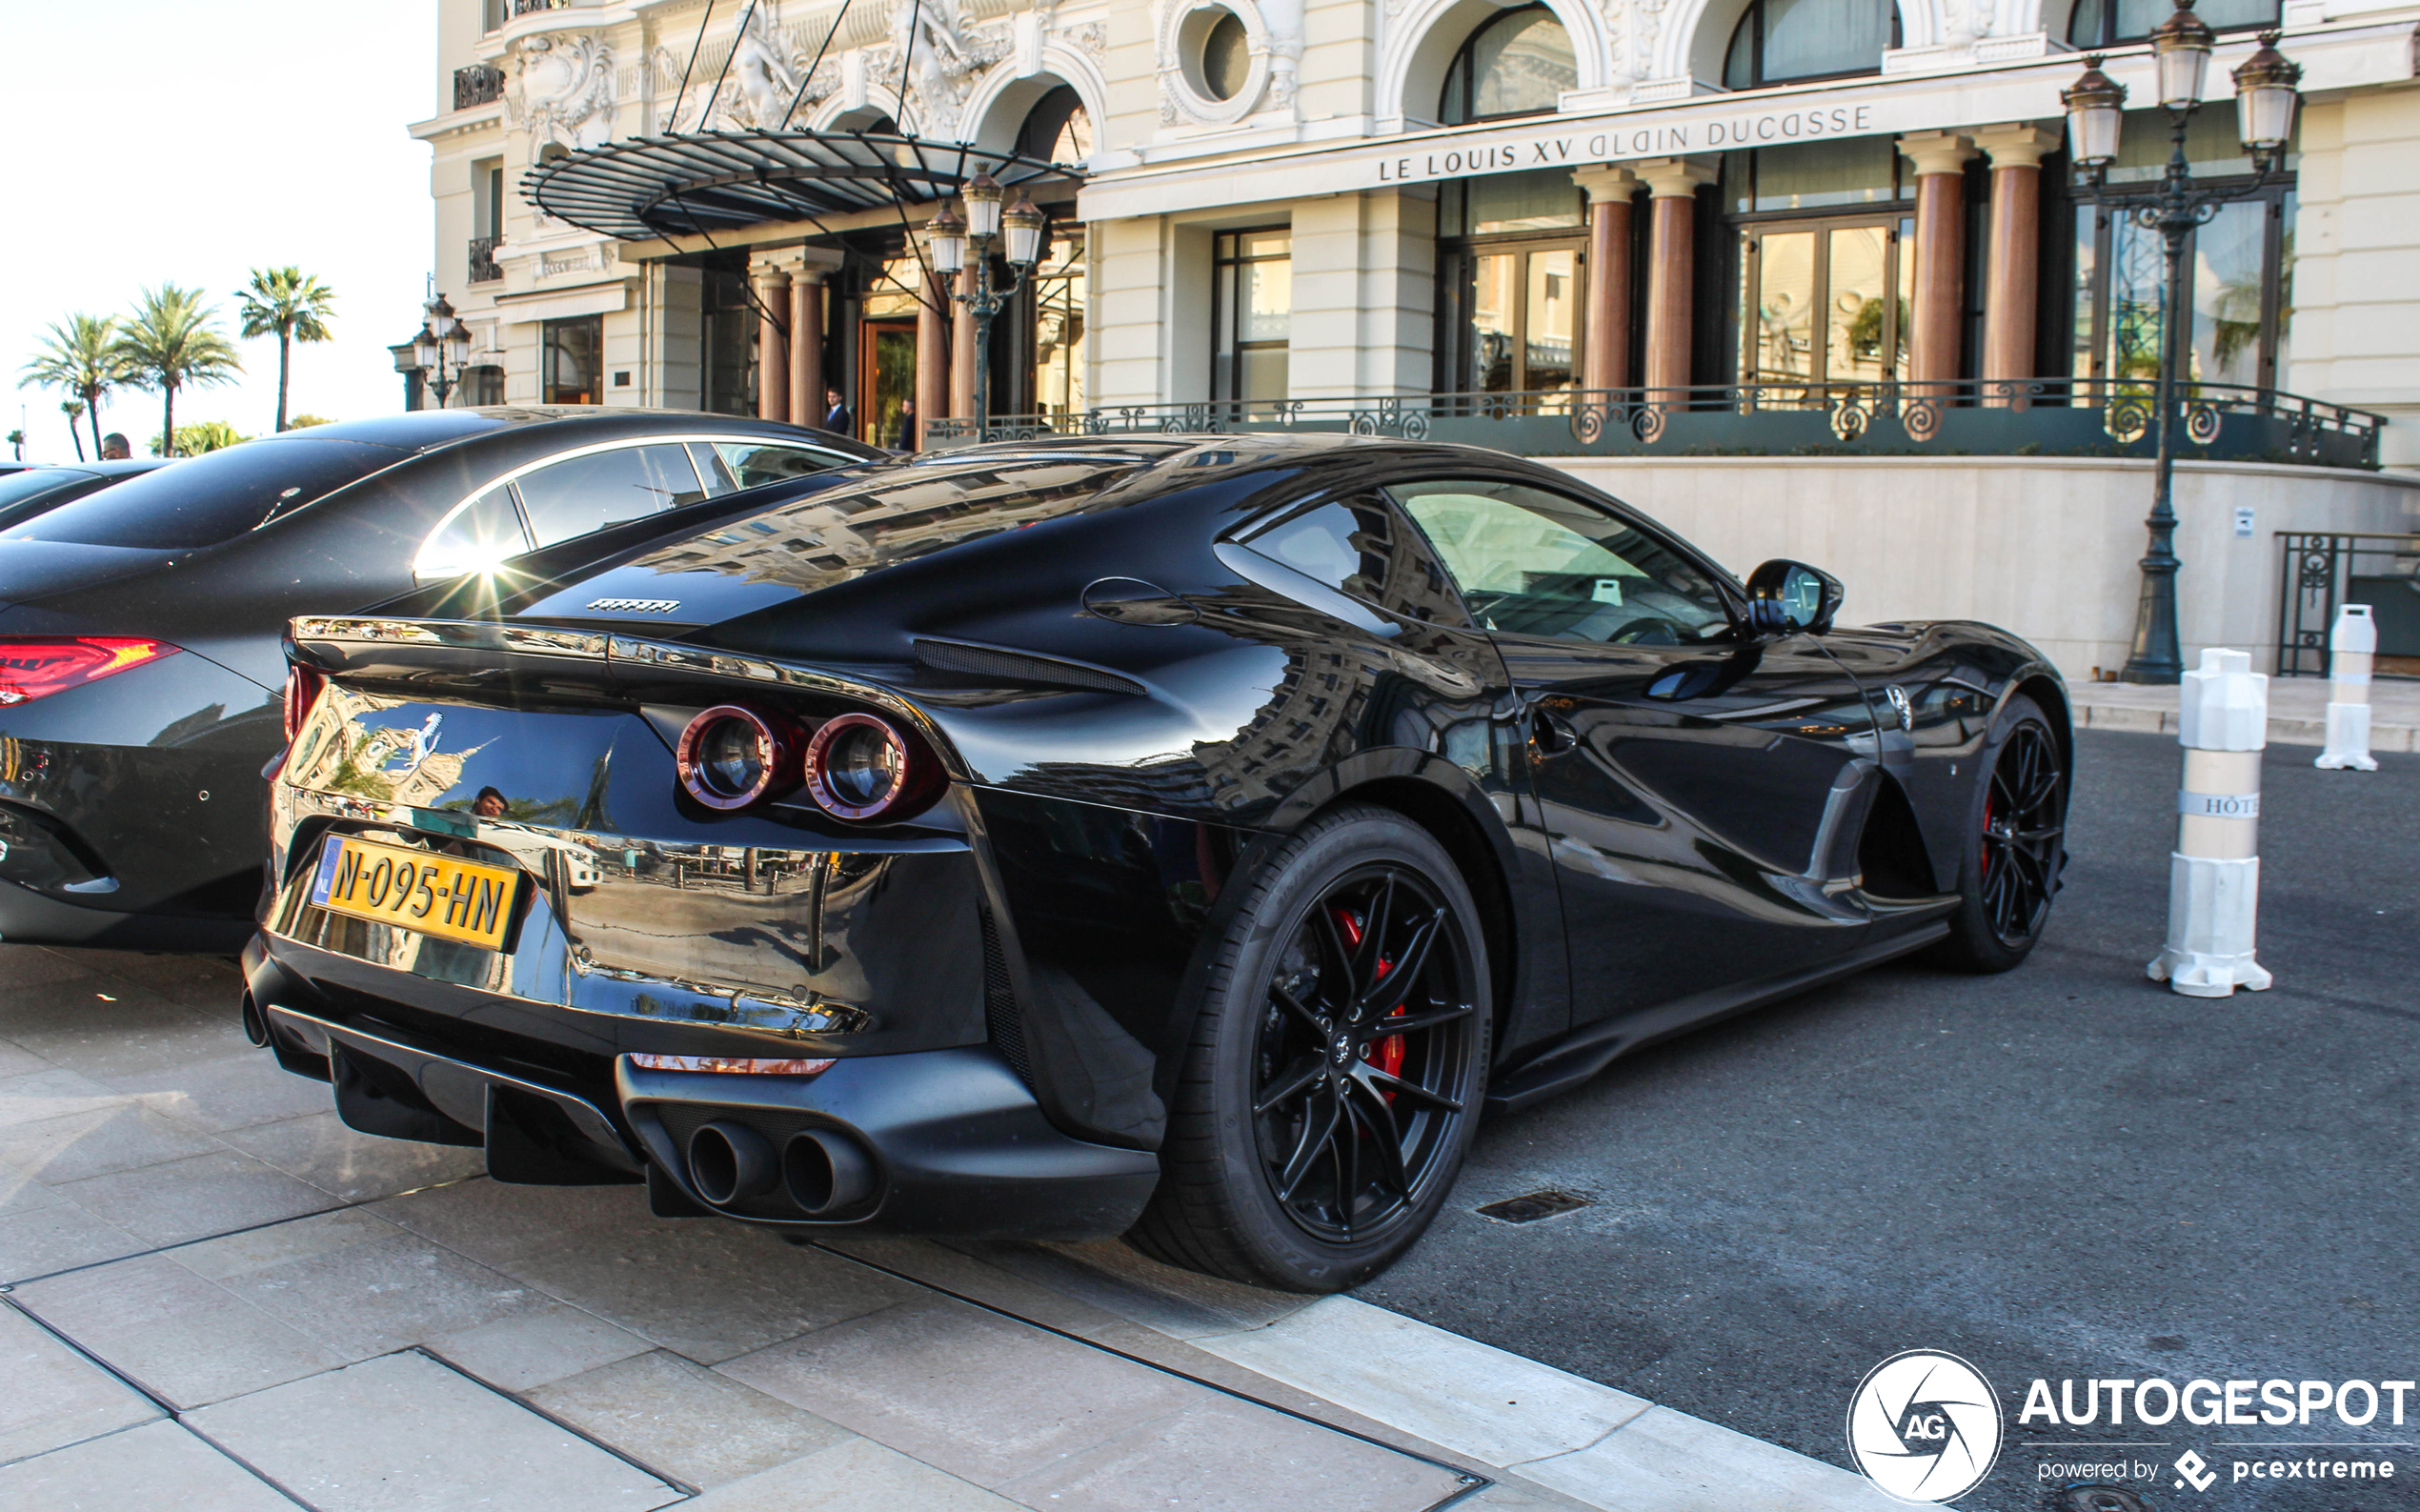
{"x":489,"y":804}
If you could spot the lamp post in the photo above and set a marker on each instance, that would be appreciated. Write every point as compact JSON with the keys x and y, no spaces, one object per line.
{"x":438,"y":351}
{"x":2264,"y":100}
{"x":951,"y":239}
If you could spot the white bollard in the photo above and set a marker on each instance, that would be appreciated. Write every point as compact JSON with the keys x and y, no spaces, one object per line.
{"x":2352,"y":640}
{"x":2213,"y":875}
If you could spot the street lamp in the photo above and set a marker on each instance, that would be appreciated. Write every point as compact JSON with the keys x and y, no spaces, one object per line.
{"x":966,"y":245}
{"x":438,"y":351}
{"x":2265,"y":99}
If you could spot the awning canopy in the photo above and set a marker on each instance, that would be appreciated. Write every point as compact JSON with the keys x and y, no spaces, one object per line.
{"x":688,"y":184}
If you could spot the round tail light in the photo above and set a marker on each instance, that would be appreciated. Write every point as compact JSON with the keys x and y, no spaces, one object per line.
{"x":862,"y":768}
{"x":729,"y":756}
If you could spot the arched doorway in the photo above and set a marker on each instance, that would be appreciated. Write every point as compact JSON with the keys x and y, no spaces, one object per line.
{"x":1037,"y":347}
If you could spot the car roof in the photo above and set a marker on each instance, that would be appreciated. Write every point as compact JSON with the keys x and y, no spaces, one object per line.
{"x":427,"y":430}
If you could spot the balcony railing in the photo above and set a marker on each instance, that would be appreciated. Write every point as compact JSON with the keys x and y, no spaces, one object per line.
{"x":484,"y":268}
{"x":2020,"y":418}
{"x":479,"y":84}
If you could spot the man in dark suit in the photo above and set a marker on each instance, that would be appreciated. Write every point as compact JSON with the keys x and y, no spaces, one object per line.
{"x":837,"y":417}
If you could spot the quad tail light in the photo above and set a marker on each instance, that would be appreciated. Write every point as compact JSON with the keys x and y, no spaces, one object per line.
{"x":857,"y":766}
{"x":34,"y":668}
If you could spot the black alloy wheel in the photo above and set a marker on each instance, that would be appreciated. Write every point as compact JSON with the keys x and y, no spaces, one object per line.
{"x":2023,"y":827}
{"x":1337,"y":1067}
{"x":1359,"y":1070}
{"x":2010,"y":870}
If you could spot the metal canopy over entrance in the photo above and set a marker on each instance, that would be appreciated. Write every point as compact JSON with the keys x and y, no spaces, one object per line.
{"x":698,"y":183}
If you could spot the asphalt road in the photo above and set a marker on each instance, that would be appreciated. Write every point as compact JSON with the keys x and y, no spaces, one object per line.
{"x":2064,"y":1172}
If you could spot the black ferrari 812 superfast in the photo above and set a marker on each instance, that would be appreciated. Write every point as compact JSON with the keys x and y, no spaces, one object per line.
{"x":1182,"y":837}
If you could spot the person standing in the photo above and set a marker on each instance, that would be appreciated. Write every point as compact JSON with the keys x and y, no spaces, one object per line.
{"x":115,"y":448}
{"x":837,"y":417}
{"x":904,"y":438}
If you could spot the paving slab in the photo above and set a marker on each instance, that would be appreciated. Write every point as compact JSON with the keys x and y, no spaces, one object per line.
{"x":1674,"y":1462}
{"x":497,"y":1224}
{"x":232,"y":1092}
{"x":50,"y":1093}
{"x":177,"y":1202}
{"x":56,"y":1236}
{"x":15,"y":1060}
{"x":185,"y":1339}
{"x":318,"y":1148}
{"x":127,"y":1471}
{"x":118,"y":1030}
{"x":275,"y":1245}
{"x":364,"y":1300}
{"x":686,"y":1421}
{"x":403,"y":1432}
{"x":100,"y":1142}
{"x":532,"y":1348}
{"x":855,"y":1476}
{"x":54,"y":1395}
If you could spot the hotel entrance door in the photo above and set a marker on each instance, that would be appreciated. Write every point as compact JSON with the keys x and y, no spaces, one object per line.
{"x":1826,"y":301}
{"x":886,"y":382}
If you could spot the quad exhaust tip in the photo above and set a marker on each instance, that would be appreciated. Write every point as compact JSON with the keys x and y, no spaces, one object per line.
{"x":820,"y":1170}
{"x":256,"y":1023}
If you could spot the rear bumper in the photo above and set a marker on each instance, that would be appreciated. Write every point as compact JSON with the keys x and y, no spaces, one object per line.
{"x":948,"y":1141}
{"x":31,"y":918}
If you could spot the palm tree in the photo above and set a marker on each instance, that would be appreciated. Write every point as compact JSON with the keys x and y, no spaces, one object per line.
{"x":171,"y":344}
{"x":291,"y":304}
{"x":73,"y":409}
{"x":82,"y":357}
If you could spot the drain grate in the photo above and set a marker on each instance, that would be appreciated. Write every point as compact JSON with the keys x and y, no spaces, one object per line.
{"x":1531,"y":1206}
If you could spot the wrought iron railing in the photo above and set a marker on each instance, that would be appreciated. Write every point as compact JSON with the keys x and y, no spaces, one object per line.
{"x":2321,"y":572}
{"x":478,"y":83}
{"x":484,"y":268}
{"x":2028,"y":418}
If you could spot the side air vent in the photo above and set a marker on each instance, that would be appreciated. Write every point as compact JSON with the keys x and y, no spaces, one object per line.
{"x":1000,"y":1016}
{"x":1021,"y":667}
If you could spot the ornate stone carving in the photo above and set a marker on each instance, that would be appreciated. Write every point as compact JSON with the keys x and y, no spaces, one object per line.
{"x":942,"y":61}
{"x":563,"y":90}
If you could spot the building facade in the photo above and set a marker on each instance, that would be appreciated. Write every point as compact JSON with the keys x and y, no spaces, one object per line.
{"x":1798,"y":225}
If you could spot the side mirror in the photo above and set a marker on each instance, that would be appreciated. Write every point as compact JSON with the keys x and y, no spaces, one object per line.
{"x":1789,"y":598}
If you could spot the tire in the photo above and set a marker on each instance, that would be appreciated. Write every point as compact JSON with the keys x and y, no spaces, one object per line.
{"x":2016,"y":826}
{"x":1275,"y":1171}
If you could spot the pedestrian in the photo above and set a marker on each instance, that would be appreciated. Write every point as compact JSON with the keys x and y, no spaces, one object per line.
{"x":837,"y":417}
{"x":904,"y":440}
{"x":490,"y":804}
{"x":115,"y":448}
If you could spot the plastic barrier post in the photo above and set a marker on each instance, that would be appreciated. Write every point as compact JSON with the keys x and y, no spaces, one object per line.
{"x":2352,"y":642}
{"x":2213,"y":876}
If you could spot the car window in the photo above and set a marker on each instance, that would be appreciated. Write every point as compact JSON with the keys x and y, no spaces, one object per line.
{"x":711,"y":467}
{"x":1534,"y":563}
{"x":763,"y":462}
{"x":208,"y":499}
{"x":1358,"y":546}
{"x":480,"y":534}
{"x":591,"y":491}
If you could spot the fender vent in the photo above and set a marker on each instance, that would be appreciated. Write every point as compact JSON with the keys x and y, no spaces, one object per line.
{"x":1001,"y":1018}
{"x":1021,"y":667}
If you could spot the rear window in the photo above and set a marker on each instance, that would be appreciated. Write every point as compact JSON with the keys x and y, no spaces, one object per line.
{"x":900,"y":514}
{"x":209,"y":499}
{"x":40,"y":482}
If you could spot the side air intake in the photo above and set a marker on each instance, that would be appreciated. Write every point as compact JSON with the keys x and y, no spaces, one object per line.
{"x":1021,"y":667}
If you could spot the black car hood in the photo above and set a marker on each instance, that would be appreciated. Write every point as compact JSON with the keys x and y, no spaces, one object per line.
{"x":35,"y":570}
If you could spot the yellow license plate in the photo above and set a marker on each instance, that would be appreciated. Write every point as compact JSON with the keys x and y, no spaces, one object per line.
{"x":419,"y":889}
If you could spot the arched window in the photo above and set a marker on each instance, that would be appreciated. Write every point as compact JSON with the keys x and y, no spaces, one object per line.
{"x":1779,"y":41}
{"x":1057,"y":130}
{"x":2107,"y":22}
{"x":1516,"y":65}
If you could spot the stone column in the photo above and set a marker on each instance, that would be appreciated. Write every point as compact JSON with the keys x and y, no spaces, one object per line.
{"x":1671,"y":265}
{"x":1606,"y":353}
{"x":1941,"y":251}
{"x":806,"y":333}
{"x":932,"y":356}
{"x":962,"y":353}
{"x":773,"y":348}
{"x":2013,"y":265}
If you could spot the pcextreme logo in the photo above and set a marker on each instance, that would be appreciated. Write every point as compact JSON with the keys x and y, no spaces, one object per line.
{"x":1925,"y":1426}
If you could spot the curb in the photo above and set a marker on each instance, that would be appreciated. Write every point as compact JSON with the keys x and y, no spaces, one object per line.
{"x":2282,"y":729}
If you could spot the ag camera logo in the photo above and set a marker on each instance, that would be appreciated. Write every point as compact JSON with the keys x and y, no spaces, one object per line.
{"x":1925,"y":1426}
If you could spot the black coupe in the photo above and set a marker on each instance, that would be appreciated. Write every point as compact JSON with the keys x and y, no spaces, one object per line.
{"x":1181,"y":837}
{"x":141,"y":627}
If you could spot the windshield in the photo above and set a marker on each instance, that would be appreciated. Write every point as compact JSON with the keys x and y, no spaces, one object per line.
{"x":903,"y":513}
{"x":208,"y":498}
{"x":16,"y":488}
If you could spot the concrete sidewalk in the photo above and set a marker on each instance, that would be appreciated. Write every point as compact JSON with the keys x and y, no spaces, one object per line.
{"x":213,"y":1286}
{"x":2297,"y":711}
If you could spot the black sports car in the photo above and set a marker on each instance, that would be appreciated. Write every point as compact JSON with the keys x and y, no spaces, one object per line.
{"x":141,"y":627}
{"x":1182,"y":838}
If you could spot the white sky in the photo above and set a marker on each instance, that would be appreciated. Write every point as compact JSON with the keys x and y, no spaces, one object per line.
{"x":191,"y":141}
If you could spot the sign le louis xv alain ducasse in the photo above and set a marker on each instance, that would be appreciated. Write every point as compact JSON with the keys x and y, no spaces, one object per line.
{"x":1697,"y":130}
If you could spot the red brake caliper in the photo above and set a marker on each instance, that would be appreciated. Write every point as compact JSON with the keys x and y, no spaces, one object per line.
{"x":1387,"y":1054}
